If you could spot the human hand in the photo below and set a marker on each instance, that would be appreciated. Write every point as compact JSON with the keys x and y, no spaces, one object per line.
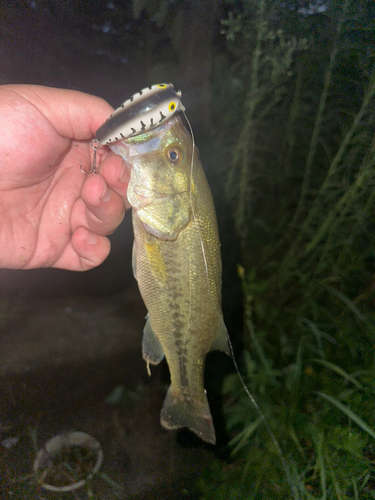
{"x":51,"y":214}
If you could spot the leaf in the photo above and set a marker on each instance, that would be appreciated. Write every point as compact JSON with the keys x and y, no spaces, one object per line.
{"x":111,"y":482}
{"x":348,"y":412}
{"x":116,"y":395}
{"x":360,"y":316}
{"x":338,"y":370}
{"x":348,"y":439}
{"x":138,"y":6}
{"x":243,"y":437}
{"x":259,"y":349}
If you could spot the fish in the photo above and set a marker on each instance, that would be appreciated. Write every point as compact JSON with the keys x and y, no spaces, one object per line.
{"x":177,"y":264}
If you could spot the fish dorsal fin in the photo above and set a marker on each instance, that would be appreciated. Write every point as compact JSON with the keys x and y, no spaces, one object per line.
{"x":221,"y":340}
{"x":152,"y":350}
{"x":134,"y":260}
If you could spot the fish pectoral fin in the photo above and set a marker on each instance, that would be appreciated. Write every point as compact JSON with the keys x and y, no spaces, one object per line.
{"x":134,"y":260}
{"x":221,"y":341}
{"x":179,"y":411}
{"x":152,"y":350}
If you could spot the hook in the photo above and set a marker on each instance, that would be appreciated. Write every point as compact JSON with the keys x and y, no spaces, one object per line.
{"x":95,"y":144}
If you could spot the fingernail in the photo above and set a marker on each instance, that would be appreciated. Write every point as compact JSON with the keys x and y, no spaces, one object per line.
{"x":124,"y":176}
{"x":91,"y":239}
{"x":106,"y":196}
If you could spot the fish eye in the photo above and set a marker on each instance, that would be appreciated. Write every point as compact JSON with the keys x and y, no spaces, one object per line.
{"x":174,"y":155}
{"x":172,"y":106}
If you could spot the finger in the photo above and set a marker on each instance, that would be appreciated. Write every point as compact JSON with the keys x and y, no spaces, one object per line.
{"x":104,"y":207}
{"x":117,"y":175}
{"x":73,"y":114}
{"x":91,"y":249}
{"x":85,"y":251}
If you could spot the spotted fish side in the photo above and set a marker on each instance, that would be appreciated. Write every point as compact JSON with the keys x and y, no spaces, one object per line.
{"x":144,"y":111}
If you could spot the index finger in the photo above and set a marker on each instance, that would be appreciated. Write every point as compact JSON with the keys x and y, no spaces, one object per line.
{"x":74,"y":114}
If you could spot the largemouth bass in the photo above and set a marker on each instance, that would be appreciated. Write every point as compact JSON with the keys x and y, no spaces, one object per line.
{"x":177,"y":263}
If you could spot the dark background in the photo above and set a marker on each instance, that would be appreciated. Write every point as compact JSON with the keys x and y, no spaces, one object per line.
{"x":68,"y":339}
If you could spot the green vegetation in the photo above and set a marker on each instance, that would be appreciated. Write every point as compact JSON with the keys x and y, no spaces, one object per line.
{"x":298,"y":98}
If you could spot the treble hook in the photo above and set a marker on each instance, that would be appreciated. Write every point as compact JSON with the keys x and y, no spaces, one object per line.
{"x":95,"y":144}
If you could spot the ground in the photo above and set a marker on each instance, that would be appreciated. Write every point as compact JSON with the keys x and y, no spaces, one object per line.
{"x":60,"y":359}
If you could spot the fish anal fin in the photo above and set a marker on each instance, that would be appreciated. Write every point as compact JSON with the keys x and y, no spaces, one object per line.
{"x":179,"y":411}
{"x":221,"y":341}
{"x":152,"y":350}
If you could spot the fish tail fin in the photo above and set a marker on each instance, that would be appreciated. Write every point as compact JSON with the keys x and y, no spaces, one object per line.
{"x":180,"y":411}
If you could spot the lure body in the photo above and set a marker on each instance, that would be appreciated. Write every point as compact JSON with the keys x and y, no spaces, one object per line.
{"x":144,"y":111}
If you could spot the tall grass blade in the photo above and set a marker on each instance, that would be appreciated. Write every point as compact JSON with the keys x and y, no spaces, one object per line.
{"x":320,"y":114}
{"x":360,"y":316}
{"x":348,"y":412}
{"x":338,"y":370}
{"x":355,"y":489}
{"x":320,"y":462}
{"x":242,"y":439}
{"x":339,"y":493}
{"x":260,"y":352}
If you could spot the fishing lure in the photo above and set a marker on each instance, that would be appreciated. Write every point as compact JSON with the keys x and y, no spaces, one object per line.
{"x":142,"y":112}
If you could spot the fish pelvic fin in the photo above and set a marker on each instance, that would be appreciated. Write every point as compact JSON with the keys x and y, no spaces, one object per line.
{"x":181,"y":411}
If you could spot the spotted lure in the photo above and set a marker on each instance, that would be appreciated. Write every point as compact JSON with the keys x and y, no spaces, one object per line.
{"x":143,"y":112}
{"x":176,"y":253}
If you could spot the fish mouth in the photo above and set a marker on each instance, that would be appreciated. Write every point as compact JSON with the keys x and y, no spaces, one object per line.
{"x":139,"y":196}
{"x":141,"y":144}
{"x":147,"y":194}
{"x":154,"y":196}
{"x":144,"y":192}
{"x":137,"y":199}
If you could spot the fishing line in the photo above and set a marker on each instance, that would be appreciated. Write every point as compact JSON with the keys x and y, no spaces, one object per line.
{"x":246,"y":389}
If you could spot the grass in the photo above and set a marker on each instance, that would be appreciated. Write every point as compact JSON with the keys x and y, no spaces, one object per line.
{"x":301,"y":184}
